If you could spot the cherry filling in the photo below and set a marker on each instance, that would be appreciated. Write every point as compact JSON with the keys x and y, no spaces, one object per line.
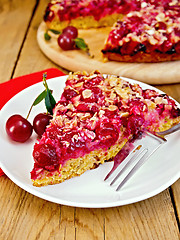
{"x":49,"y":14}
{"x":68,"y":10}
{"x":131,"y":36}
{"x":134,"y":125}
{"x":160,"y":25}
{"x":69,"y":93}
{"x":108,"y":134}
{"x":45,"y":156}
{"x":93,"y":82}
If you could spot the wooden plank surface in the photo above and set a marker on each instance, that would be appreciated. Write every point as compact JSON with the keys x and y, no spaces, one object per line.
{"x":24,"y":216}
{"x":32,"y":59}
{"x":176,"y":197}
{"x":14,"y":19}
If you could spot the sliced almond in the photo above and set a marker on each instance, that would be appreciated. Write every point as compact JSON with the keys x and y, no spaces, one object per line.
{"x":86,"y":93}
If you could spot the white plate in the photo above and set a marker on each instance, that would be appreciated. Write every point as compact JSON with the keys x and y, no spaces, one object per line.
{"x":88,"y":190}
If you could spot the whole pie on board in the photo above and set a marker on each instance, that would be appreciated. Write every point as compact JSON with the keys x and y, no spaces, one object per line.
{"x":143,"y":31}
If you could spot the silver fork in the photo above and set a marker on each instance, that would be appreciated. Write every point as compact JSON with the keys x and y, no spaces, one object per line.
{"x":134,"y":157}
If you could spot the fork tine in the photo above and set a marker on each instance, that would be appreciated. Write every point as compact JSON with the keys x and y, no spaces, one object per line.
{"x":137,"y":166}
{"x":139,"y":151}
{"x":132,"y":171}
{"x":148,"y":146}
{"x":133,"y":159}
{"x":120,"y":157}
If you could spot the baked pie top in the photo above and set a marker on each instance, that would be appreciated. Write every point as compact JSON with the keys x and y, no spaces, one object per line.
{"x":150,"y":29}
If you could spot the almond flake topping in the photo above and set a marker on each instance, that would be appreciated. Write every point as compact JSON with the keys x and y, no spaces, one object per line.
{"x":86,"y":93}
{"x":79,"y":84}
{"x":152,"y":40}
{"x":151,"y":31}
{"x":160,"y":17}
{"x":143,"y":4}
{"x":91,"y":76}
{"x":112,"y":107}
{"x":121,"y":92}
{"x":101,"y":113}
{"x":172,"y":3}
{"x":124,"y":114}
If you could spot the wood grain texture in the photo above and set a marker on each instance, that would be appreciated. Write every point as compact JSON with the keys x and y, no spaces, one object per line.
{"x":176,"y":196}
{"x":89,"y":224}
{"x":140,"y":220}
{"x":14,"y":19}
{"x":24,"y":216}
{"x":32,"y":59}
{"x":75,"y":60}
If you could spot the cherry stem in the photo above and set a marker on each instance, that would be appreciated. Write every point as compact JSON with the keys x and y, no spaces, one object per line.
{"x":29,"y":111}
{"x":46,"y":86}
{"x":89,"y":54}
{"x":44,"y":80}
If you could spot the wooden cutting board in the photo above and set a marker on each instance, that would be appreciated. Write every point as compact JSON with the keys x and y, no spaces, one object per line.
{"x":78,"y":60}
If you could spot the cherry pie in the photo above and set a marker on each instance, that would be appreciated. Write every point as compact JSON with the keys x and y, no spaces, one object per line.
{"x":144,"y":30}
{"x":95,"y":116}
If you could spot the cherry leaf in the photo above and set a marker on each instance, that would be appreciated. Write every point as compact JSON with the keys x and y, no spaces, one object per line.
{"x":40,"y":98}
{"x":47,"y":37}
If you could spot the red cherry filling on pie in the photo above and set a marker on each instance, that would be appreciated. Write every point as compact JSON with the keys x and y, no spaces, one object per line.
{"x":68,"y":10}
{"x":148,"y":35}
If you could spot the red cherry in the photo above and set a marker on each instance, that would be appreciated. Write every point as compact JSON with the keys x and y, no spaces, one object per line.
{"x":45,"y":156}
{"x":160,"y":25}
{"x":40,"y":122}
{"x":165,"y":46}
{"x":69,"y":93}
{"x":177,"y":47}
{"x":134,"y":124}
{"x":71,"y":31}
{"x":107,"y":133}
{"x":129,"y":47}
{"x":83,"y":107}
{"x":65,"y":42}
{"x":18,"y":128}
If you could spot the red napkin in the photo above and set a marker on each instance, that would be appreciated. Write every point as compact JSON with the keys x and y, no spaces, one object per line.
{"x":12,"y":87}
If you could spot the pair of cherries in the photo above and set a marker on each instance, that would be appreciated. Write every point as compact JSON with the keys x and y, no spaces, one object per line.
{"x":66,"y":39}
{"x":19,"y":129}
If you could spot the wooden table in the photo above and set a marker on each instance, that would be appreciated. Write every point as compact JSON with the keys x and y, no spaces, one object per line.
{"x":24,"y":216}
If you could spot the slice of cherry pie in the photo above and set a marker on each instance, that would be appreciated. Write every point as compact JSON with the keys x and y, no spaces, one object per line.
{"x":95,"y":117}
